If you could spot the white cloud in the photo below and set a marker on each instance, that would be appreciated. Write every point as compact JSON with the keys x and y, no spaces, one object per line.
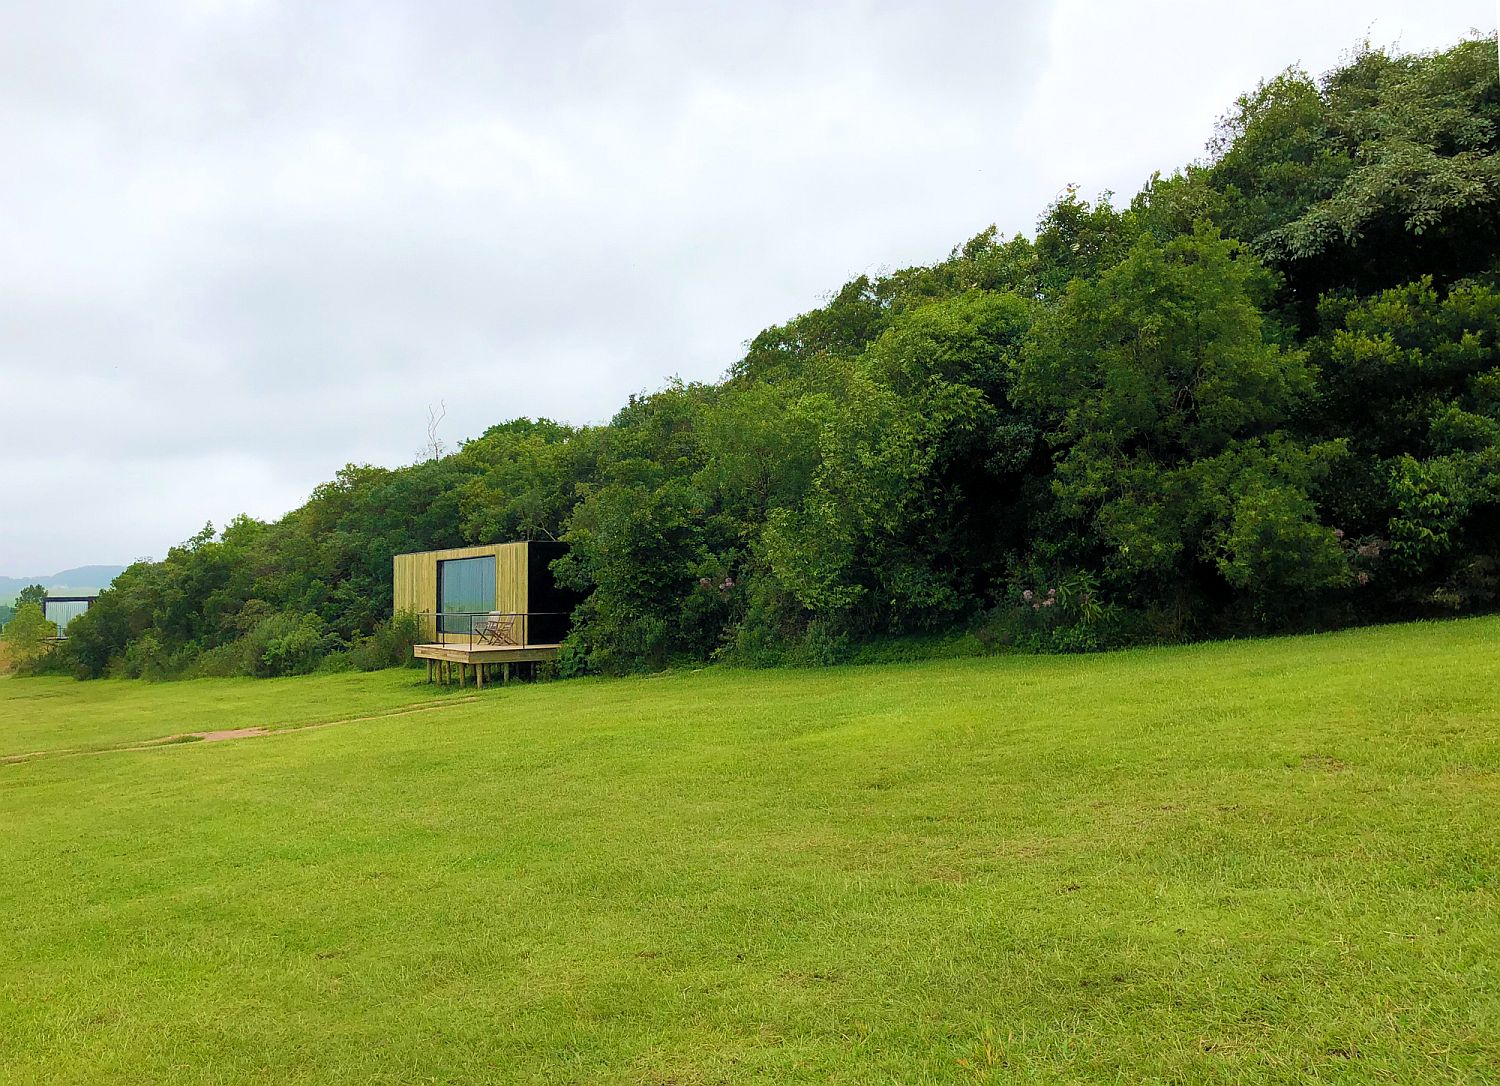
{"x":250,"y":241}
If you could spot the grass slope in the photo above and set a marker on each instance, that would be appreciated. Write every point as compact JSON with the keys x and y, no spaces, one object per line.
{"x":51,"y":714}
{"x":1273,"y":861}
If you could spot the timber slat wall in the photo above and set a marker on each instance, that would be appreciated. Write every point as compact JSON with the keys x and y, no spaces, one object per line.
{"x":415,"y":583}
{"x":511,"y":596}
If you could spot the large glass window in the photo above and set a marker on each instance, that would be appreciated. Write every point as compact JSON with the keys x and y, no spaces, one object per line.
{"x":64,"y":611}
{"x":464,"y":585}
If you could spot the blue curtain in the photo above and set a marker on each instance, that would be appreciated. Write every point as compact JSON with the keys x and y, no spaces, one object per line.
{"x":464,"y":584}
{"x":62,"y":614}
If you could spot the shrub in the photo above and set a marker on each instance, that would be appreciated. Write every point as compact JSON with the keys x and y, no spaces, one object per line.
{"x":1069,"y":615}
{"x":337,"y":662}
{"x":225,"y":661}
{"x":144,"y":658}
{"x":26,"y":635}
{"x":292,"y":646}
{"x":389,"y":645}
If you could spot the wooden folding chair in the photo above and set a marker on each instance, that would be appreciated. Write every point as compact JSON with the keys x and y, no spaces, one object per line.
{"x":497,"y":629}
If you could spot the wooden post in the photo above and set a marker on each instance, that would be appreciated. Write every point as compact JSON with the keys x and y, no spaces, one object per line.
{"x":505,"y":672}
{"x":479,"y":675}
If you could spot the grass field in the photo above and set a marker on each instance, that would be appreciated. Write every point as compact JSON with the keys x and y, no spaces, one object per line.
{"x":1272,"y":861}
{"x":52,"y":715}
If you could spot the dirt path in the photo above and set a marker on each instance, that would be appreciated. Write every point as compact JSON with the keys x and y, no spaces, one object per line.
{"x":219,"y":735}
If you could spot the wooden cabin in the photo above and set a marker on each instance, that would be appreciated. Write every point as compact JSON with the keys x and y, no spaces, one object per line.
{"x":484,"y":607}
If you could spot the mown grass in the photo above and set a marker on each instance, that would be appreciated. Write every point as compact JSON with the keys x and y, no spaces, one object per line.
{"x":1272,"y":861}
{"x":50,"y":713}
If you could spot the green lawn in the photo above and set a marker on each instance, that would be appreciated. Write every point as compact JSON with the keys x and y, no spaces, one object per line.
{"x":1271,"y":861}
{"x":54,"y":714}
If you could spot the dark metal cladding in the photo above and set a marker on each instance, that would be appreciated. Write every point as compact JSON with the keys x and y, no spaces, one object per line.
{"x":551,"y":605}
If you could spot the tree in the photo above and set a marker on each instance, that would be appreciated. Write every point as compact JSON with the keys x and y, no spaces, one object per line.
{"x":34,"y":593}
{"x":26,"y":635}
{"x":1412,"y":376}
{"x":915,"y":494}
{"x":1386,"y":169}
{"x":1167,"y":390}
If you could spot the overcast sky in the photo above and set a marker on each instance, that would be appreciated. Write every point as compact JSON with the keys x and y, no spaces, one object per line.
{"x":247,"y":242}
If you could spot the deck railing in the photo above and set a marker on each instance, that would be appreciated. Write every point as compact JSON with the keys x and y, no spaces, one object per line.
{"x":474,"y":628}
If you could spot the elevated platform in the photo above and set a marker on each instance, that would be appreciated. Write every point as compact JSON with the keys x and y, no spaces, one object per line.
{"x":486,"y":654}
{"x":441,"y":658}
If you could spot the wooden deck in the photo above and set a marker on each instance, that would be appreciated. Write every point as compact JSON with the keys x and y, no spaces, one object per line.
{"x":497,"y":658}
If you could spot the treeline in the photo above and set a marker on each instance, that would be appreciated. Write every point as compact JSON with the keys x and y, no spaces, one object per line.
{"x":1262,"y":395}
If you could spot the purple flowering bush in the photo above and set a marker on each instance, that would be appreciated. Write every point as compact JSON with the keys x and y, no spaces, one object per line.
{"x":1066,"y":615}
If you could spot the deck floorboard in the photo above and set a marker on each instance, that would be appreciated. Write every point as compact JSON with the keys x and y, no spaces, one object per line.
{"x":486,"y":654}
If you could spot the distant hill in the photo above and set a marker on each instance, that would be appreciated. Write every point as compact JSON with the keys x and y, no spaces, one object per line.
{"x":81,"y":581}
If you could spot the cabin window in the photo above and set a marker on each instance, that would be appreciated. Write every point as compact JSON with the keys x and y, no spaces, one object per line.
{"x":63,"y":610}
{"x":466,"y":586}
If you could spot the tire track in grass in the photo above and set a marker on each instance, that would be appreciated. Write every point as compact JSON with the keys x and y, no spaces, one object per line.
{"x":219,"y":735}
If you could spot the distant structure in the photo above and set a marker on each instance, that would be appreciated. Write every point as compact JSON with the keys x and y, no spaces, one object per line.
{"x":64,"y":609}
